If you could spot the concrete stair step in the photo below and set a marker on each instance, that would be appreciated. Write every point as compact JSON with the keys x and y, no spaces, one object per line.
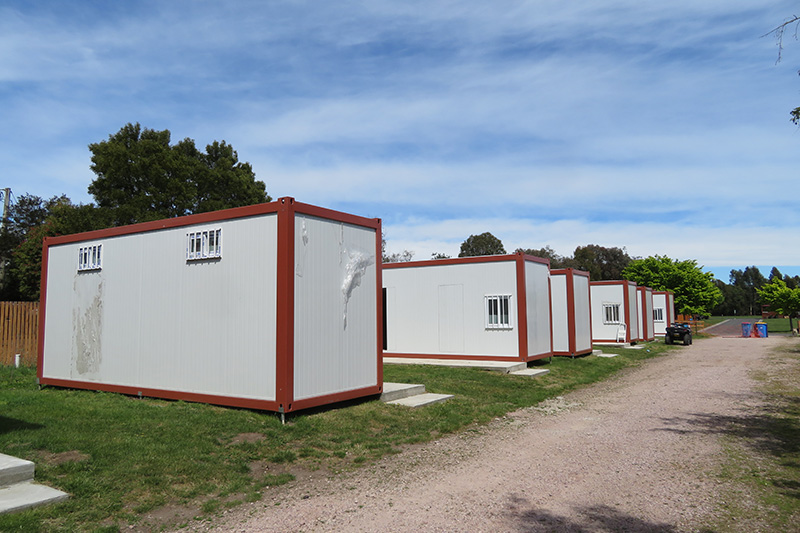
{"x":421,"y":400}
{"x":395,"y":391}
{"x":530,"y":372}
{"x":14,"y":470}
{"x":20,"y":496}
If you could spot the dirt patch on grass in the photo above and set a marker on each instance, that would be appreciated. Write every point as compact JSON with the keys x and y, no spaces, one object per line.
{"x":246,"y":437}
{"x":55,"y":459}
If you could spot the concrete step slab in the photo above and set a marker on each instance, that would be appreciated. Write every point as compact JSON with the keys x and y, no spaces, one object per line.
{"x":530,"y":372}
{"x":601,"y":354}
{"x":22,"y":496}
{"x":421,"y":400}
{"x":14,"y":470}
{"x":395,"y":391}
{"x":498,"y":366}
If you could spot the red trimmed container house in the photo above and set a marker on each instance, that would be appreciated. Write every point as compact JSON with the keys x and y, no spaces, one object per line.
{"x":663,"y":311}
{"x":572,"y":314}
{"x":644,"y":311}
{"x":491,"y":308}
{"x":273,"y":306}
{"x":614,"y":312}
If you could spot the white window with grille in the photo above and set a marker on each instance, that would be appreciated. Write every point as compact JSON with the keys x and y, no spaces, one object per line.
{"x":611,"y":313}
{"x":90,"y":257}
{"x":498,"y":311}
{"x":205,"y":244}
{"x":658,"y":314}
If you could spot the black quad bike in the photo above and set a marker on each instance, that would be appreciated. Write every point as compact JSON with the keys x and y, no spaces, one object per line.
{"x":679,"y":331}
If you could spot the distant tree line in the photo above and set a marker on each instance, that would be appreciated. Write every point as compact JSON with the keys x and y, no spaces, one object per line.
{"x":741,"y":293}
{"x":139,"y":177}
{"x":695,"y":290}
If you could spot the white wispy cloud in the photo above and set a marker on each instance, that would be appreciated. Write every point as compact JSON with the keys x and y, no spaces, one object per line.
{"x":548,"y":122}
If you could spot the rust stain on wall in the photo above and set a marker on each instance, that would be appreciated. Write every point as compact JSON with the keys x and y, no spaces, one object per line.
{"x":87,"y":326}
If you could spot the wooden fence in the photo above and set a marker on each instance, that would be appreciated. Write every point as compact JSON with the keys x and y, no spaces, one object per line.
{"x":19,"y":332}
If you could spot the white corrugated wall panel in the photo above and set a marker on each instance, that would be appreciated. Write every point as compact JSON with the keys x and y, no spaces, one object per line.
{"x":167,"y":323}
{"x":336,"y":306}
{"x":633,"y":322}
{"x":71,"y":305}
{"x":583,"y":314}
{"x":538,"y":307}
{"x":606,"y":294}
{"x":413,"y":312}
{"x":648,"y":315}
{"x":660,"y":302}
{"x":558,"y":288}
{"x":640,"y":311}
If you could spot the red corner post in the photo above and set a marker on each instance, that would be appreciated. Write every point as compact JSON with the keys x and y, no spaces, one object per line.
{"x":284,"y":338}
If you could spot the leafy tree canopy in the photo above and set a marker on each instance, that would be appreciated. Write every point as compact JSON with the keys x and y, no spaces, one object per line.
{"x":483,"y":244}
{"x":63,"y":218}
{"x":556,"y":260}
{"x":748,"y":281}
{"x":780,"y":298}
{"x":141,"y":177}
{"x":695,"y":290}
{"x":602,"y":263}
{"x":397,"y":257}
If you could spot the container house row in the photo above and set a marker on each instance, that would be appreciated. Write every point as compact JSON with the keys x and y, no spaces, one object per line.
{"x":284,"y":306}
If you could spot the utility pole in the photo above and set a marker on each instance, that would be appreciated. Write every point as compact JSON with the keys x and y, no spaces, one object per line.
{"x":6,"y":203}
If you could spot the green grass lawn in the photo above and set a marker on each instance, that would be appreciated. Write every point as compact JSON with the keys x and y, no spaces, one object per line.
{"x":120,"y":457}
{"x":762,"y":451}
{"x":776,"y":325}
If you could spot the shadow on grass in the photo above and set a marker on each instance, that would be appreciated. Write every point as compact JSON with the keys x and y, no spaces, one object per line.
{"x":774,"y":431}
{"x":529,"y":519}
{"x":7,"y":425}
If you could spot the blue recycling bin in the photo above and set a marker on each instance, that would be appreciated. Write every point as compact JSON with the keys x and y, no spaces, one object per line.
{"x":761,"y":330}
{"x":747,"y":329}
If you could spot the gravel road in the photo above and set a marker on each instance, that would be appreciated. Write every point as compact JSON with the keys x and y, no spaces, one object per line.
{"x":636,"y":453}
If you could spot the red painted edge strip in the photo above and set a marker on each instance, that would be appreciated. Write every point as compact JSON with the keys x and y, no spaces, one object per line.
{"x":337,"y":397}
{"x":522,"y":308}
{"x":466,"y":260}
{"x":284,"y":338}
{"x":231,"y":401}
{"x":42,"y":305}
{"x":379,"y":300}
{"x":455,"y":356}
{"x":200,"y":218}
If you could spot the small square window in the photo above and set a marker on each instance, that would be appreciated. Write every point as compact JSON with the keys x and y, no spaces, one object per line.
{"x":611,"y":313}
{"x":658,"y":314}
{"x":498,"y":311}
{"x":90,"y":257}
{"x":206,"y":244}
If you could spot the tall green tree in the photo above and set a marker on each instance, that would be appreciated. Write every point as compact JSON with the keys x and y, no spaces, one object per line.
{"x":780,"y":298}
{"x":556,"y":260}
{"x":602,"y":263}
{"x":749,"y":281}
{"x":695,"y":290}
{"x":483,"y":244}
{"x":63,"y":218}
{"x":27,"y":212}
{"x":140,"y":176}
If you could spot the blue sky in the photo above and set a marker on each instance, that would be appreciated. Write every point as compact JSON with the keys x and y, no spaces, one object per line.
{"x":664,"y":130}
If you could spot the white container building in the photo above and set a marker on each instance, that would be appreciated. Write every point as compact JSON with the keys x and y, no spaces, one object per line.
{"x":274,"y":306}
{"x":572,"y":315}
{"x":663,"y":311}
{"x":645,"y":313}
{"x":614,"y":311}
{"x":494,"y":308}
